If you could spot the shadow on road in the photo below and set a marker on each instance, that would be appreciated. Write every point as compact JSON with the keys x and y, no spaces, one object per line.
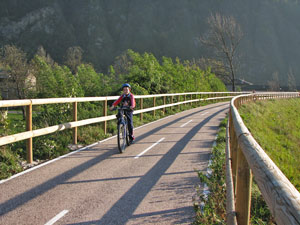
{"x":124,"y":208}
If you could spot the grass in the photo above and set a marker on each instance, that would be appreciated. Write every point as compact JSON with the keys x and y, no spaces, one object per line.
{"x":211,"y":209}
{"x":275,"y":125}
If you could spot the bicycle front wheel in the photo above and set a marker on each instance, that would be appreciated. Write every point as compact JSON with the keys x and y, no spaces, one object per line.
{"x":122,"y":134}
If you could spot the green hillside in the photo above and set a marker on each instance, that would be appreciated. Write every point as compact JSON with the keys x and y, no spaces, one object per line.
{"x":275,"y":124}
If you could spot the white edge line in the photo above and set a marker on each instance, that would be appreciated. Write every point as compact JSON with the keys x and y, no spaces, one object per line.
{"x":57,"y":217}
{"x":53,"y":160}
{"x":186,"y":123}
{"x":146,"y":150}
{"x":81,"y":149}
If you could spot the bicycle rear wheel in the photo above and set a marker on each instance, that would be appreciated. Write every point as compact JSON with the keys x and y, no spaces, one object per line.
{"x":122,"y":134}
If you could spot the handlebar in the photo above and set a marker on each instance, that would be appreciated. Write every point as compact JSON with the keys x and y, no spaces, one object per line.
{"x":121,"y":108}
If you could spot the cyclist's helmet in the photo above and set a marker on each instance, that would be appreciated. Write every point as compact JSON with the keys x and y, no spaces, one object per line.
{"x":126,"y":85}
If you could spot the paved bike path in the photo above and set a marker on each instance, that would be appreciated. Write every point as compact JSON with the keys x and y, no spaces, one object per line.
{"x":100,"y":186}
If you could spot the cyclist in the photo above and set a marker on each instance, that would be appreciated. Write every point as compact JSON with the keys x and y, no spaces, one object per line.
{"x":127,"y":99}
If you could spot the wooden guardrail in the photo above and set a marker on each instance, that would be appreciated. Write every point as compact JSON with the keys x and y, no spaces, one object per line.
{"x":28,"y":103}
{"x":244,"y":158}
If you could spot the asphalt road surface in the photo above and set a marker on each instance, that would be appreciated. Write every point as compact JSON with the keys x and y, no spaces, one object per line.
{"x":153,"y":182}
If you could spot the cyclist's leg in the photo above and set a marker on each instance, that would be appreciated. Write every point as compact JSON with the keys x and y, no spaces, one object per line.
{"x":129,"y":116}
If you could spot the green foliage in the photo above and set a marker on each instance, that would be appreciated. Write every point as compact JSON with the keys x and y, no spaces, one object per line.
{"x":51,"y":146}
{"x":90,"y":81}
{"x":260,"y":213}
{"x":54,"y":81}
{"x":148,"y":76}
{"x":143,"y":71}
{"x":9,"y":163}
{"x":275,"y":125}
{"x":214,"y":209}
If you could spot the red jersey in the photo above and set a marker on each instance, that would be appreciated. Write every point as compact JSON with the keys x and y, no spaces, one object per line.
{"x":124,"y":99}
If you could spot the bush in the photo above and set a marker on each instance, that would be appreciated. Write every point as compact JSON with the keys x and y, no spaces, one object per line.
{"x":10,"y":163}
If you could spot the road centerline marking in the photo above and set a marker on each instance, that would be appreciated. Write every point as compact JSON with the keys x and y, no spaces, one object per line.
{"x":57,"y":217}
{"x":147,"y":149}
{"x":204,"y":113}
{"x":186,"y":123}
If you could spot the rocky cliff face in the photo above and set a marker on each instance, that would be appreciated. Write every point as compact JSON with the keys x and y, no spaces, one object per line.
{"x":106,"y":28}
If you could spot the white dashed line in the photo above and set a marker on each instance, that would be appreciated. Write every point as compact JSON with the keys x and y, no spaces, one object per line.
{"x":57,"y":217}
{"x":204,"y":113}
{"x":142,"y":153}
{"x":186,"y":123}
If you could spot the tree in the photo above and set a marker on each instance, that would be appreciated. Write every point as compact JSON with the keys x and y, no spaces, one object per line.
{"x":217,"y":67}
{"x":73,"y":58}
{"x":90,"y":81}
{"x":274,"y":83}
{"x":15,"y":63}
{"x":224,"y":36}
{"x":291,"y":80}
{"x":41,"y":52}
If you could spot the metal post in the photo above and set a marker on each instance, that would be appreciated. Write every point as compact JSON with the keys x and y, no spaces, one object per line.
{"x":105,"y":114}
{"x":29,"y":128}
{"x":75,"y":119}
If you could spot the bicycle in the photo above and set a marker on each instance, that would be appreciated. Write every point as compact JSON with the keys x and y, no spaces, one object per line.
{"x":123,"y":133}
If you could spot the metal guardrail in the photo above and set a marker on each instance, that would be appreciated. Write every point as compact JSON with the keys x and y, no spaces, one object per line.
{"x":28,"y":103}
{"x":244,"y":158}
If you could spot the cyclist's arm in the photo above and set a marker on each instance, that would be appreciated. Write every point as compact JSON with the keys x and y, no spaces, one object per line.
{"x":132,"y":99}
{"x":117,"y":101}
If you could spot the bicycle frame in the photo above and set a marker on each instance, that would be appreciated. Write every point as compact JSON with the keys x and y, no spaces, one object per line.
{"x":123,"y":134}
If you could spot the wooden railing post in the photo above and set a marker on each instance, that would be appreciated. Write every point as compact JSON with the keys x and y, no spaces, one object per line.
{"x":154,"y":104}
{"x":141,"y":107}
{"x":29,"y":128}
{"x":243,"y":190}
{"x":178,"y":99}
{"x":191,"y":99}
{"x":105,"y":114}
{"x":75,"y":119}
{"x":185,"y":99}
{"x":165,"y":102}
{"x":171,"y":102}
